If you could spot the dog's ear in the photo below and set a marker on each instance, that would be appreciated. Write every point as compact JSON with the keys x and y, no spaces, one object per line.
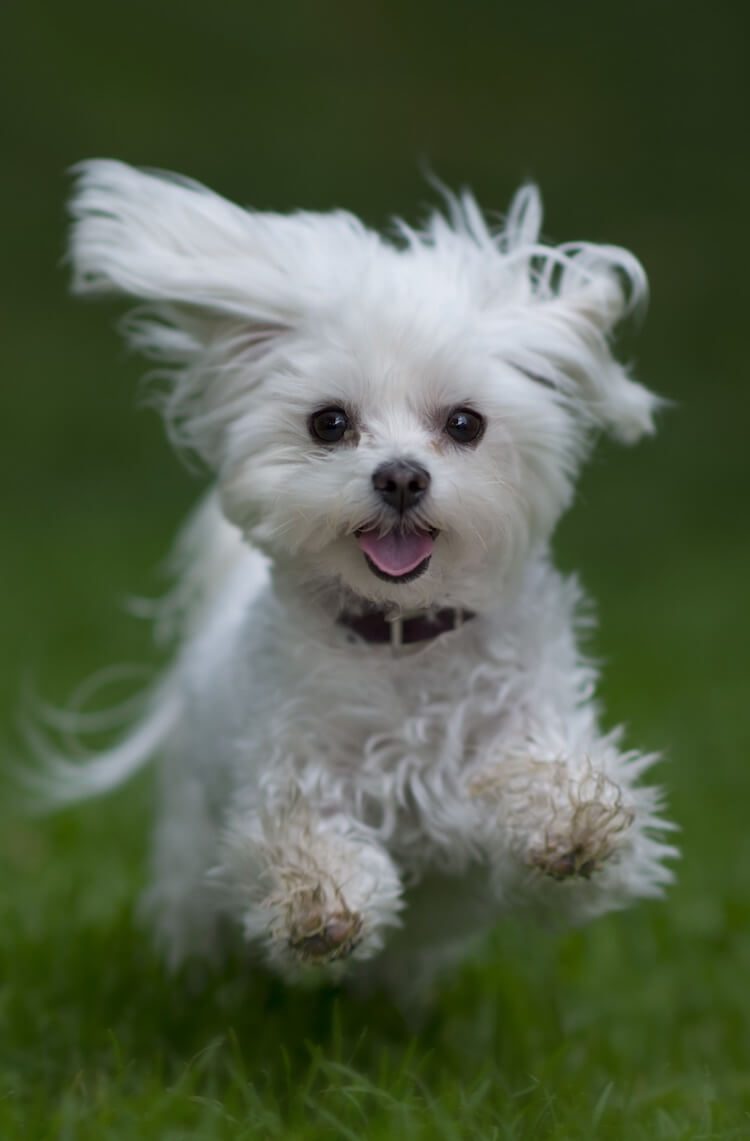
{"x":577,"y":294}
{"x":172,"y":242}
{"x":222,"y":285}
{"x":212,"y":275}
{"x":596,"y":288}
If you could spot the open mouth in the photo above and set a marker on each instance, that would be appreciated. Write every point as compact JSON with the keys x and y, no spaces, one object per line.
{"x":399,"y":556}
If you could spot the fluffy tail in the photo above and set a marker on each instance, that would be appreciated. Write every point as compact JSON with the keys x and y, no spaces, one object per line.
{"x":216,"y":576}
{"x":56,"y":781}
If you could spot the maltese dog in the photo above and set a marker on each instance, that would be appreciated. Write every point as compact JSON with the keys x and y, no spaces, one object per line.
{"x":378,"y":733}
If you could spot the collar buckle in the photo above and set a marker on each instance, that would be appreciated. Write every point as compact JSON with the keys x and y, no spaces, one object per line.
{"x":405,"y":628}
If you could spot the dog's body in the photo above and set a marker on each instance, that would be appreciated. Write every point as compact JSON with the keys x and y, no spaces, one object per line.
{"x":397,"y":429}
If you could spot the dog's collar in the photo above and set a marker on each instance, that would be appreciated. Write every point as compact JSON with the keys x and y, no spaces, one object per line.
{"x":404,"y":628}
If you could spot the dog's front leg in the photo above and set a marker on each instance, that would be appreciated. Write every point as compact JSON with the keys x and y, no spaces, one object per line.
{"x":311,"y":888}
{"x":565,"y":806}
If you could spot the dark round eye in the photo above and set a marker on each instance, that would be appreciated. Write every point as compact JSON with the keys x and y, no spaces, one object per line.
{"x":464,"y":426}
{"x":329,"y":425}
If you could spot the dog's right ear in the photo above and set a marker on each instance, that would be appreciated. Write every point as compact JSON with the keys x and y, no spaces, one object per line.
{"x":211,"y":274}
{"x":218,"y":281}
{"x":168,"y":240}
{"x":173,"y":242}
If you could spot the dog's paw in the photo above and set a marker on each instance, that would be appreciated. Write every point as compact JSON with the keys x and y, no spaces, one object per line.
{"x":311,"y":925}
{"x":584,"y":846}
{"x":310,"y":896}
{"x":318,"y":935}
{"x":565,"y":827}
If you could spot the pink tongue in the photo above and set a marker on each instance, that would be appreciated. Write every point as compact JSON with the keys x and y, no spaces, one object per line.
{"x":396,"y":553}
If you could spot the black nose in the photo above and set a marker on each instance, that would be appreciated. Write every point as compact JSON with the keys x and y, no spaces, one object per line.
{"x":401,"y":483}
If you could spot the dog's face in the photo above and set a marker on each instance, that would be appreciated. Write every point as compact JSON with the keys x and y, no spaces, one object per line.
{"x":405,"y":421}
{"x":391,"y":449}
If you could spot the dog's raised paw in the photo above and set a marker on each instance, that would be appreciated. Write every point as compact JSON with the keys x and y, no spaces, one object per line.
{"x":595,"y":833}
{"x":565,"y":865}
{"x":317,"y":937}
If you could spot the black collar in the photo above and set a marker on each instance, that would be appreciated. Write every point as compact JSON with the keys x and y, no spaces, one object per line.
{"x":404,"y":630}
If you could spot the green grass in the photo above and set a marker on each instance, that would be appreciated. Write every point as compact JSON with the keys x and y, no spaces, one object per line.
{"x":636,"y":1027}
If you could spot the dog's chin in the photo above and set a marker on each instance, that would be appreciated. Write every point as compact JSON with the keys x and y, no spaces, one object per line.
{"x":350,"y":569}
{"x":448,"y":570}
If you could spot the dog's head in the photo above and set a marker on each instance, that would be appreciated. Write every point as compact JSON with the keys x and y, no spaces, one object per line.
{"x":405,"y":417}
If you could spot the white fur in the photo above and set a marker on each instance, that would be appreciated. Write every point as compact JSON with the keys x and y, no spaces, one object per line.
{"x":312,"y":784}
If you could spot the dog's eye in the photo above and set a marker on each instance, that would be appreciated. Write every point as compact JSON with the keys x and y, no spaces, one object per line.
{"x":464,"y":426}
{"x":329,"y":425}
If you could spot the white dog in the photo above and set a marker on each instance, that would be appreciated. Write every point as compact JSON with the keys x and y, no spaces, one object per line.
{"x":378,"y":733}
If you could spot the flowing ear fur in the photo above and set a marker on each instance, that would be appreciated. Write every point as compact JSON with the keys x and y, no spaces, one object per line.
{"x":167,"y":239}
{"x":159,"y":237}
{"x":585,"y":290}
{"x":595,"y":288}
{"x":208,"y":271}
{"x":222,"y":284}
{"x":556,"y":308}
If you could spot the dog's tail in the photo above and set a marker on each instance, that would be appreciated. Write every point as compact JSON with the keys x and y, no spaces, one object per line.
{"x":217,"y":575}
{"x":53,"y":780}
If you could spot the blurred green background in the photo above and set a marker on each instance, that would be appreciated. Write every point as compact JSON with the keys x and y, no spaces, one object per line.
{"x":633,"y":119}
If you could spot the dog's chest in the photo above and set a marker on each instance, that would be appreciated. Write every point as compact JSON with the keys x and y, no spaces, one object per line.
{"x":389,"y":738}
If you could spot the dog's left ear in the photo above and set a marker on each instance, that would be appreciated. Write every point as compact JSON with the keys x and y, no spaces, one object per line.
{"x":573,"y":296}
{"x":596,"y":288}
